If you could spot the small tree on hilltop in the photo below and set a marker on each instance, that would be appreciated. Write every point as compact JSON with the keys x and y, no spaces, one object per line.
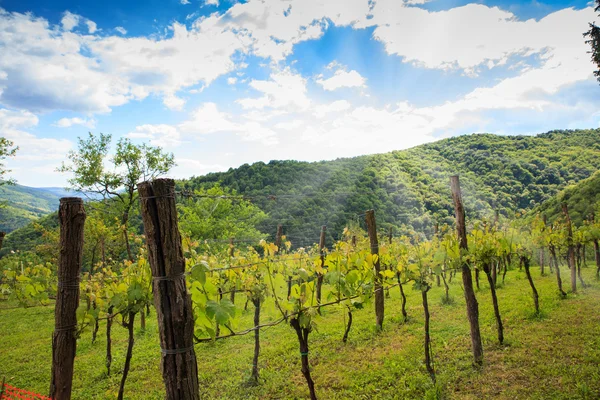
{"x":117,"y":177}
{"x":593,"y":39}
{"x":6,"y":150}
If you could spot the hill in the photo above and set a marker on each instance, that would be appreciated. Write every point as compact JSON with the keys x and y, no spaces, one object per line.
{"x":582,"y":200}
{"x":23,"y":204}
{"x":409,"y":189}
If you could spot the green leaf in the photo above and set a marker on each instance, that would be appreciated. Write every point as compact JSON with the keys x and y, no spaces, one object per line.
{"x":221,"y":311}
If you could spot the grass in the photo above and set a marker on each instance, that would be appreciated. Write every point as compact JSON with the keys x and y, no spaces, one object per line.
{"x":554,"y":355}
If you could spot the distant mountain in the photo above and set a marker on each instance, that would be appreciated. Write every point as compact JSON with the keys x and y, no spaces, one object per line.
{"x":409,"y":189}
{"x":22,"y":204}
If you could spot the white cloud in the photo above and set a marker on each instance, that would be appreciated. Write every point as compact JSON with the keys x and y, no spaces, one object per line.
{"x":185,"y":2}
{"x":160,"y":135}
{"x":212,"y":2}
{"x":68,"y":122}
{"x":69,"y":21}
{"x":322,"y":110}
{"x":92,"y":27}
{"x":284,"y":89}
{"x":121,"y":30}
{"x":13,"y":125}
{"x":207,"y":119}
{"x":173,"y":102}
{"x":231,"y":80}
{"x":342,"y":78}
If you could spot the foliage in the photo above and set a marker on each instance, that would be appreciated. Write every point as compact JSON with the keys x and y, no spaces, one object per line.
{"x":409,"y":188}
{"x":593,"y":39}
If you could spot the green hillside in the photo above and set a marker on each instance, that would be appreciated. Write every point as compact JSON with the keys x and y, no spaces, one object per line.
{"x":582,"y":200}
{"x":22,"y":204}
{"x":409,"y":189}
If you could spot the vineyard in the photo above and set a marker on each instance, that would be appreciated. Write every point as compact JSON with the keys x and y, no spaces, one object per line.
{"x":375,"y":315}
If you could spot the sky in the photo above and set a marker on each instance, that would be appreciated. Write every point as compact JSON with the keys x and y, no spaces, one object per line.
{"x":220,"y":83}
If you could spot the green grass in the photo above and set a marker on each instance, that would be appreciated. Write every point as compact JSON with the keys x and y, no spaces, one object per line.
{"x":552,"y":356}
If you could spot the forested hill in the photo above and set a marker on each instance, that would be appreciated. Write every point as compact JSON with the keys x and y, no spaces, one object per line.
{"x":410,"y":188}
{"x":19,"y":205}
{"x":582,"y":200}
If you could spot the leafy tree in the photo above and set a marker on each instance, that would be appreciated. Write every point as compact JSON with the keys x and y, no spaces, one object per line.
{"x":117,"y":177}
{"x":6,"y":150}
{"x":593,"y":40}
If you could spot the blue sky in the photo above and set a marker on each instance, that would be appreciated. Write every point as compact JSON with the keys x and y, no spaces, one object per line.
{"x":220,"y":83}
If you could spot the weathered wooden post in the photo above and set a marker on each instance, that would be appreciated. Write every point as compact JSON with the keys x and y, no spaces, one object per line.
{"x":321,"y":275}
{"x":467,"y":278}
{"x":379,"y":296}
{"x":570,"y":248}
{"x":171,"y":299}
{"x":71,"y":216}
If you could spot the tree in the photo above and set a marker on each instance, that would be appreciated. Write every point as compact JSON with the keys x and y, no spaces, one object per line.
{"x":115,"y":178}
{"x":6,"y":150}
{"x":593,"y":40}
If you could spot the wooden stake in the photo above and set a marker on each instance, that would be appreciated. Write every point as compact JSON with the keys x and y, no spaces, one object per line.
{"x":471,"y":300}
{"x":171,"y":299}
{"x":570,"y":248}
{"x":379,"y":296}
{"x":320,"y":276}
{"x":71,"y":215}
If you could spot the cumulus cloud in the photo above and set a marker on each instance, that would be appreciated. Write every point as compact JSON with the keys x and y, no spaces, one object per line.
{"x":121,"y":30}
{"x":68,"y":122}
{"x":159,"y":135}
{"x":69,"y":21}
{"x":14,"y":126}
{"x":92,"y":27}
{"x":284,"y":89}
{"x":342,"y":79}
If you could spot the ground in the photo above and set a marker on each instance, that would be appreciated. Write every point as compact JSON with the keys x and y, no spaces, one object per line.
{"x":552,"y":356}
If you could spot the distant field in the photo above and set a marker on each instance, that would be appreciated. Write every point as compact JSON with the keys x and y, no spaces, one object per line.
{"x":556,"y":356}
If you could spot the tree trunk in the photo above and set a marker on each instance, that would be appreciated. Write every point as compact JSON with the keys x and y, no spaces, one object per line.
{"x":477,"y":277}
{"x":125,"y":224}
{"x":129,"y":326}
{"x":379,"y":295}
{"x":109,"y":340}
{"x":579,"y":262}
{"x":557,"y":269}
{"x":64,"y":340}
{"x":467,"y":278}
{"x":597,"y":257}
{"x":533,"y":289}
{"x":2,"y":235}
{"x":96,"y":325}
{"x":494,"y":272}
{"x":427,"y":346}
{"x":320,"y":276}
{"x":171,"y":299}
{"x":142,"y":319}
{"x":302,"y":334}
{"x":446,"y":287}
{"x":347,"y":331}
{"x":570,"y":249}
{"x":542,"y":261}
{"x":499,"y":326}
{"x":402,"y":297}
{"x":255,"y":375}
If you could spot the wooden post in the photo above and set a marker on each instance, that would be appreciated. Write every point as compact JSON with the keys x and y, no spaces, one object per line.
{"x":471,"y":300}
{"x":379,"y":297}
{"x":71,"y":216}
{"x":390,"y":234}
{"x":278,"y":238}
{"x":570,"y":248}
{"x":320,"y":276}
{"x":171,"y":299}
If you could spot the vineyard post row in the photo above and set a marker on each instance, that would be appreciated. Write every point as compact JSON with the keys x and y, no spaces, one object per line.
{"x":64,"y":339}
{"x":171,"y":298}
